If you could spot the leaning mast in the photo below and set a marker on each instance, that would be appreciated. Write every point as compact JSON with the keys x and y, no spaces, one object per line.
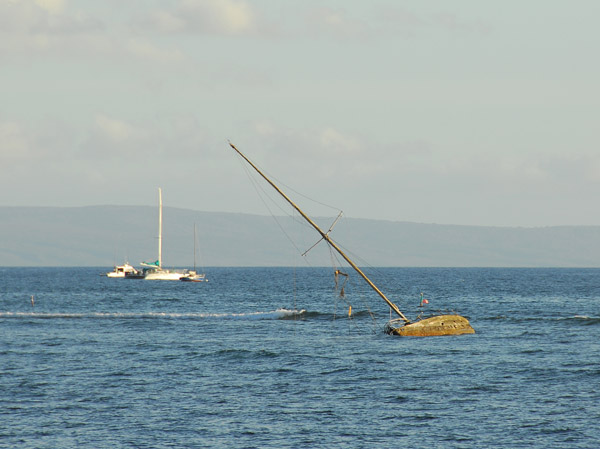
{"x":325,"y":237}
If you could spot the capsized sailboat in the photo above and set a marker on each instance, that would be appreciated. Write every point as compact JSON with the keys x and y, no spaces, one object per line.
{"x":427,"y":327}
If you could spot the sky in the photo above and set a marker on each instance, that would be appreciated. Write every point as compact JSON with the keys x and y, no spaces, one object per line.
{"x":465,"y":112}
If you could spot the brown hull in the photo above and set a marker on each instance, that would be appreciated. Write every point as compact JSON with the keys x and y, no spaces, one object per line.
{"x":434,"y":326}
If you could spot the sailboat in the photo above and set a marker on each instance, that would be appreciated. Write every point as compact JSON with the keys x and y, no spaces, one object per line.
{"x":155,"y":270}
{"x":438,"y":325}
{"x":193,"y":275}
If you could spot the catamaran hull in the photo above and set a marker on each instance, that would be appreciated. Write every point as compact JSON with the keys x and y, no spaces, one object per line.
{"x":431,"y":327}
{"x":191,"y":279}
{"x":164,"y":276}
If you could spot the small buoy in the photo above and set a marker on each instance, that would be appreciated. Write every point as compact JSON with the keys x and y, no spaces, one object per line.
{"x":32,"y":301}
{"x":350,"y":312}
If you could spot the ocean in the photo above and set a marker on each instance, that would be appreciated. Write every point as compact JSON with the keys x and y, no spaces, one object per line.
{"x":269,"y":358}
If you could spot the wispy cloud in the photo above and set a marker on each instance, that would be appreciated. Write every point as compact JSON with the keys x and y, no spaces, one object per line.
{"x":116,"y":131}
{"x":329,"y":151}
{"x":214,"y":17}
{"x":34,"y":23}
{"x":387,"y":20}
{"x":35,"y":147}
{"x":52,"y":6}
{"x":338,"y":23}
{"x":30,"y":28}
{"x":15,"y":143}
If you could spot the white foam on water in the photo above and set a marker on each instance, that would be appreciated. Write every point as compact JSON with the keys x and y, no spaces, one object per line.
{"x":271,"y":315}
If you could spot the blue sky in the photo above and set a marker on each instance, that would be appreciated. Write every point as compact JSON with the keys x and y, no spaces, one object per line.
{"x":466,"y":112}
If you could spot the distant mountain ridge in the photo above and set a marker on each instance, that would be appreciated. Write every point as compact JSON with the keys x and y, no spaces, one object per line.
{"x":105,"y":235}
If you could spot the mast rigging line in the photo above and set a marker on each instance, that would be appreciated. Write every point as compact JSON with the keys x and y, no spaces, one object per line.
{"x":262,"y":171}
{"x":258,"y":187}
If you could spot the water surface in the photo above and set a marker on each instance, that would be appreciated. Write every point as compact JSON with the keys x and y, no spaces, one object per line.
{"x":267,"y":358}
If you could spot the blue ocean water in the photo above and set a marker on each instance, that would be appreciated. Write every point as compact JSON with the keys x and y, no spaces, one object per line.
{"x":268,"y":358}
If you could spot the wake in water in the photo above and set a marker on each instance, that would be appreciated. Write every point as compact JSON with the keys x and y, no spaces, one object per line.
{"x":251,"y":316}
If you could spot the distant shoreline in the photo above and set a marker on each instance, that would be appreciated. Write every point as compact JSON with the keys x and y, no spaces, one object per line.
{"x":102,"y":236}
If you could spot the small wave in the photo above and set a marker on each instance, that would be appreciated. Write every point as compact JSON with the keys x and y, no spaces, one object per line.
{"x":582,"y":320}
{"x":278,"y":314}
{"x":271,"y":315}
{"x":586,"y":320}
{"x":520,"y":318}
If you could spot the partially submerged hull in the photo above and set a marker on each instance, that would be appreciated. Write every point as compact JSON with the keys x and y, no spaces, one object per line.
{"x":428,"y":327}
{"x":431,"y":327}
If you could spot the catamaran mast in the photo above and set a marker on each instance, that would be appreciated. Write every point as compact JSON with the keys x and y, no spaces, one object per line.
{"x":326,"y":237}
{"x":159,"y":227}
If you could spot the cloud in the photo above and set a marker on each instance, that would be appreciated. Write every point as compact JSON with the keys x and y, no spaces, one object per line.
{"x":332,"y":156}
{"x":53,"y":6}
{"x":35,"y":146}
{"x":43,"y":19}
{"x":455,"y":24}
{"x":386,"y":21}
{"x":571,"y":168}
{"x":144,"y":50}
{"x":169,"y":139}
{"x":335,"y":142}
{"x":216,"y":17}
{"x":15,"y":144}
{"x":29,"y":29}
{"x":338,"y":23}
{"x":329,"y":151}
{"x":114,"y":130}
{"x":109,"y":139}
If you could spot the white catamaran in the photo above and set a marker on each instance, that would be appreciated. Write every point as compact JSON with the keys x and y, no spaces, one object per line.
{"x":432,"y":326}
{"x":155,"y":270}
